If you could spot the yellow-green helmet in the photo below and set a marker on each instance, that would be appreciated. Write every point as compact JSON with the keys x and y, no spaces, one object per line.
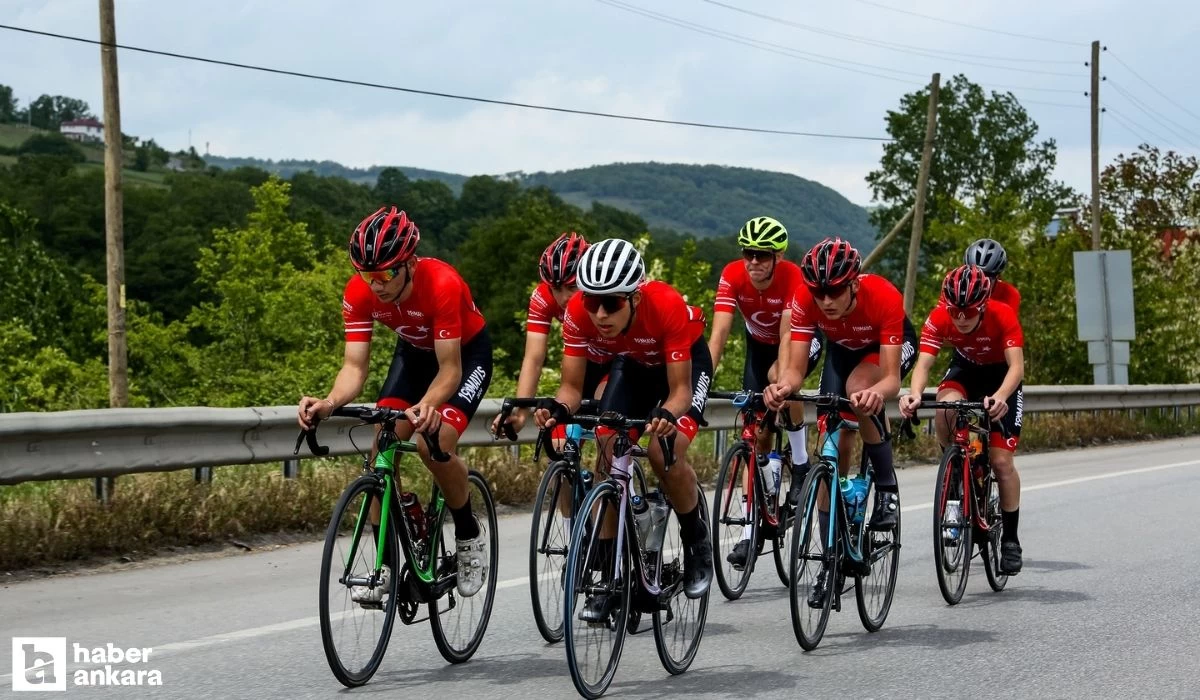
{"x":765,"y":233}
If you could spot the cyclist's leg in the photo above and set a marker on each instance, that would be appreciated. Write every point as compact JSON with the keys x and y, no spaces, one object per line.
{"x":680,"y":480}
{"x":798,"y":438}
{"x":953,"y":387}
{"x":877,"y":449}
{"x":1009,"y":480}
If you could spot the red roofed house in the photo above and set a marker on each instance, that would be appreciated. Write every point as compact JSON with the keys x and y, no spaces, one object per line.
{"x":82,"y":129}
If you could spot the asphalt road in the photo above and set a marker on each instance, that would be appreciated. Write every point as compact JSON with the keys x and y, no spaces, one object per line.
{"x":1108,"y":605}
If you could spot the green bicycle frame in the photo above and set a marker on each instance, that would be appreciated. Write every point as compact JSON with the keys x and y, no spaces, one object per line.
{"x":385,"y":464}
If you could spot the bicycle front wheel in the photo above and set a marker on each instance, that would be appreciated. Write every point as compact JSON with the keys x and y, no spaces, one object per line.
{"x":595,"y":604}
{"x":549,"y":535}
{"x":679,"y":629}
{"x":814,"y":566}
{"x":459,"y":621}
{"x":951,"y":532}
{"x":355,"y":634}
{"x":735,"y":520}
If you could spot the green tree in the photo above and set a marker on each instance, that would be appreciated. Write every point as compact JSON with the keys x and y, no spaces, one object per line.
{"x":52,"y":144}
{"x":8,"y":105}
{"x":986,"y":146}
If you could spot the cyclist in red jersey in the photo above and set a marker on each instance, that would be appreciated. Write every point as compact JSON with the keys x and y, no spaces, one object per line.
{"x":558,"y":269}
{"x":761,"y":287}
{"x":440,"y":370}
{"x":662,"y":370}
{"x":990,"y":256}
{"x":989,"y":365}
{"x":870,"y":346}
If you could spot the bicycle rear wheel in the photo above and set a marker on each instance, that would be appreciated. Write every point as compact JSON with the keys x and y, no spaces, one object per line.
{"x":594,"y":647}
{"x":733,"y":510}
{"x":679,"y":629}
{"x":989,"y":546}
{"x":881,"y":550}
{"x":355,"y":636}
{"x":549,"y":535}
{"x":808,"y":557}
{"x":951,"y":545}
{"x":458,"y":622}
{"x":786,"y":511}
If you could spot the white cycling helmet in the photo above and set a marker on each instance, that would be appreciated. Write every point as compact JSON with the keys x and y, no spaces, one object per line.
{"x":612,"y":266}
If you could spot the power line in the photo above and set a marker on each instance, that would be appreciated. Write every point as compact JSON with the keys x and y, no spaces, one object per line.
{"x":1161,"y":94}
{"x":973,"y":26}
{"x":764,"y":45}
{"x":1051,"y":104}
{"x":446,"y":95}
{"x":1150,"y":113}
{"x":902,"y":48}
{"x":1129,"y":126}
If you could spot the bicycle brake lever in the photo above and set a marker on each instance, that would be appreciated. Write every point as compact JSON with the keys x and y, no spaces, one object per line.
{"x":435,"y":449}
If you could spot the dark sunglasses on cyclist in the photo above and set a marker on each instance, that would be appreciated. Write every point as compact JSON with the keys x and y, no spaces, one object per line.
{"x":381,"y":276}
{"x":821,"y":293}
{"x":750,"y":254}
{"x":968,"y":313}
{"x":610,"y":303}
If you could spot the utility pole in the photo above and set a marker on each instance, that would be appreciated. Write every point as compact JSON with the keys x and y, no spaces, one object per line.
{"x":114,"y":233}
{"x":1095,"y":95}
{"x":918,"y":219}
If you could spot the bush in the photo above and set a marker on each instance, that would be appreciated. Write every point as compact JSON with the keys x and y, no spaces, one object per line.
{"x":51,"y":144}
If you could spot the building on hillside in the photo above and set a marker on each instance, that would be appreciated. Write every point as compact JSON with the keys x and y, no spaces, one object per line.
{"x":82,"y":129}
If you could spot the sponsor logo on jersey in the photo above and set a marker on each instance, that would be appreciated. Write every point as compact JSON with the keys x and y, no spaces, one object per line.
{"x":472,"y":389}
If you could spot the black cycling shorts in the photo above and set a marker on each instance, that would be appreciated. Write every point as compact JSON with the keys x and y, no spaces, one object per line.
{"x":634,"y":389}
{"x":840,"y":362}
{"x":413,"y":370}
{"x":760,"y":356}
{"x":975,"y":382}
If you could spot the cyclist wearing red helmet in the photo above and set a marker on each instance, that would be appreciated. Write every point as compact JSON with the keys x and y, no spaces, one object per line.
{"x":558,"y":269}
{"x":989,"y":365}
{"x":440,"y":370}
{"x":991,"y":257}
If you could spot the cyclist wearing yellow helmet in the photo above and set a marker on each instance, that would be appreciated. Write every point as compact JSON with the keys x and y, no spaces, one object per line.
{"x":761,"y":286}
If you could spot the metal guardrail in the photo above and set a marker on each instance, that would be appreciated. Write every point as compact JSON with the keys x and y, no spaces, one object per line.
{"x":112,"y":442}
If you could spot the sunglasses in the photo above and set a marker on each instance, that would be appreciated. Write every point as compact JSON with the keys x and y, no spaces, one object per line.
{"x":967,"y":313}
{"x":828,"y":292}
{"x":381,"y":276}
{"x":610,"y":303}
{"x":750,"y":254}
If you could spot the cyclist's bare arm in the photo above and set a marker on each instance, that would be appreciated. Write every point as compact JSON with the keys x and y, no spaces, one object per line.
{"x":722,"y":324}
{"x":1015,"y":375}
{"x":346,"y":387}
{"x":889,"y":361}
{"x":785,"y":343}
{"x":679,"y":381}
{"x":570,"y":392}
{"x":449,"y":376}
{"x":531,"y":366}
{"x":791,"y":376}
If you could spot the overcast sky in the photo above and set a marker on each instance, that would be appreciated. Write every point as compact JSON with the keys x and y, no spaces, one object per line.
{"x":590,"y":54}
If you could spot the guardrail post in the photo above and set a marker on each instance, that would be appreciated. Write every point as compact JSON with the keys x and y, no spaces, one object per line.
{"x":719,"y":444}
{"x":104,"y":488}
{"x":203,"y":475}
{"x":291,"y":468}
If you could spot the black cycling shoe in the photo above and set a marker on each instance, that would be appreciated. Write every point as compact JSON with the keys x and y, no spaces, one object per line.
{"x":598,"y":608}
{"x":697,"y":568}
{"x":887,"y":511}
{"x":799,"y":474}
{"x":820,"y":589}
{"x":1010,"y":558}
{"x":739,"y":555}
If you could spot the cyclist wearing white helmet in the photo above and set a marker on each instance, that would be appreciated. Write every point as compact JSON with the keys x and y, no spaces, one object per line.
{"x":662,"y":370}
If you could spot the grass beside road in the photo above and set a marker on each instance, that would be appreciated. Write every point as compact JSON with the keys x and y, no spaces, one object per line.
{"x":46,"y":524}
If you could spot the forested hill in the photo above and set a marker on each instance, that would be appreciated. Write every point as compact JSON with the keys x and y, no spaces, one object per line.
{"x":707,"y":200}
{"x":713,"y":200}
{"x":328,"y":168}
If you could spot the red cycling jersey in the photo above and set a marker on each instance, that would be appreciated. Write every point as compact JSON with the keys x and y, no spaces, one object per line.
{"x":877,"y":318}
{"x":664,"y":329}
{"x":760,"y":309}
{"x":544,"y":308}
{"x":996,"y":332}
{"x":439,"y":308}
{"x":1005,"y":293}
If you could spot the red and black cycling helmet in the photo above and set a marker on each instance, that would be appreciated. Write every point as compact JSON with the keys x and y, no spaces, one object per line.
{"x":831,"y":263}
{"x":384,"y":240}
{"x":967,"y":287}
{"x":560,"y":261}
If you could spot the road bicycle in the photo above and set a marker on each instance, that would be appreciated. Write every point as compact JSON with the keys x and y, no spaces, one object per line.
{"x":373,"y":523}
